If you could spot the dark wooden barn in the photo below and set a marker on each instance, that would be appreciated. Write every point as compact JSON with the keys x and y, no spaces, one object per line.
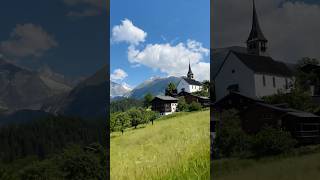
{"x":204,"y":101}
{"x":256,"y":114}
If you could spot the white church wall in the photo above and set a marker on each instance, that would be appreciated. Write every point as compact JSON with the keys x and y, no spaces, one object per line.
{"x":242,"y":76}
{"x":183,"y":85}
{"x":269,"y":88}
{"x":187,"y":87}
{"x":194,"y":88}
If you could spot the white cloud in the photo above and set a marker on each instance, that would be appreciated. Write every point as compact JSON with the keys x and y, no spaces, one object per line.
{"x":89,"y":7}
{"x":173,"y":59}
{"x":128,"y":32}
{"x":127,"y":86}
{"x":118,"y":74}
{"x":28,"y":40}
{"x":290,"y":26}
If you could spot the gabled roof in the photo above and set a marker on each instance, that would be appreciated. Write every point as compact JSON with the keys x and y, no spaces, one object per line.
{"x":184,"y":93}
{"x":290,"y":111}
{"x":235,"y":100}
{"x":256,"y":33}
{"x":166,"y":98}
{"x":192,"y":81}
{"x":264,"y":64}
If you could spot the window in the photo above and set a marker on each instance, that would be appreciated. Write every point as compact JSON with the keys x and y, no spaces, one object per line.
{"x":274,"y":81}
{"x":233,"y":71}
{"x":263,"y":46}
{"x":264,"y":80}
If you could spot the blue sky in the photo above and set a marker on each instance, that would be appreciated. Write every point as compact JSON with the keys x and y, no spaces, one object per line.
{"x":169,"y":27}
{"x":291,"y":26}
{"x":69,"y":36}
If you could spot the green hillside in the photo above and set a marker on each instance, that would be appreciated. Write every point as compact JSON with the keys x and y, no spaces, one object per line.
{"x":172,"y":148}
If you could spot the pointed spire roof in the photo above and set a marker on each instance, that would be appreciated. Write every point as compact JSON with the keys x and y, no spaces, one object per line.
{"x":190,"y":71}
{"x":256,"y":33}
{"x":190,"y":74}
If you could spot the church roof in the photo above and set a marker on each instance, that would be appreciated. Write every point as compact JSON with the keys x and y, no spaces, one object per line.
{"x":192,"y":81}
{"x":256,"y":32}
{"x":264,"y":64}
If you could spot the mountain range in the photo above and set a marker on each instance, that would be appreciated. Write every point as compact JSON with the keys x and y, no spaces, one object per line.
{"x":21,"y":88}
{"x":155,"y":86}
{"x":27,"y":94}
{"x":118,"y":90}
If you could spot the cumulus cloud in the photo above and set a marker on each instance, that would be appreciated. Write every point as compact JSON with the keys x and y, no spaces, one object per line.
{"x":290,"y":26}
{"x":118,"y":74}
{"x":89,"y":7}
{"x":173,"y":59}
{"x":128,"y":32}
{"x":127,"y":86}
{"x":28,"y":40}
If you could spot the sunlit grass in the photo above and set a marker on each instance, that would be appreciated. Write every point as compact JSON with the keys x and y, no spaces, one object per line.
{"x":173,"y":148}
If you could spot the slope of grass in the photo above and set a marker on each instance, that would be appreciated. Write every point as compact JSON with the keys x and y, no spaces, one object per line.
{"x":174,"y":148}
{"x":291,"y":168}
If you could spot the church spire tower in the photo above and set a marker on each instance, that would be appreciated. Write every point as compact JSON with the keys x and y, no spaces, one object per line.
{"x":256,"y":43}
{"x":190,"y":74}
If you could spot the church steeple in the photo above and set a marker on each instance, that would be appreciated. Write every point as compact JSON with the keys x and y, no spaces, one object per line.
{"x":256,"y":43}
{"x":190,"y":74}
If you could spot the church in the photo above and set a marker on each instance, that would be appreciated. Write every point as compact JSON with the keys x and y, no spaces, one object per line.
{"x":189,"y":84}
{"x":252,"y":72}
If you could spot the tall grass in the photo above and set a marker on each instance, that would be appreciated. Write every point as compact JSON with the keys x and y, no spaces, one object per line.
{"x":302,"y":167}
{"x":175,"y":148}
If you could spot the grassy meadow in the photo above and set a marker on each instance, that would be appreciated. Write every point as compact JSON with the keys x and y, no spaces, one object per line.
{"x":300,"y":167}
{"x":177,"y":147}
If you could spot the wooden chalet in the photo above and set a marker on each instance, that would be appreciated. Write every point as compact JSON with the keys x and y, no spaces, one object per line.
{"x":165,"y":105}
{"x":255,"y":114}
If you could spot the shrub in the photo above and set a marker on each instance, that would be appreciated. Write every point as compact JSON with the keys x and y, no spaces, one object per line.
{"x":271,"y":141}
{"x":182,"y":104}
{"x":40,"y":170}
{"x":230,"y":139}
{"x":194,"y":106}
{"x":75,"y":163}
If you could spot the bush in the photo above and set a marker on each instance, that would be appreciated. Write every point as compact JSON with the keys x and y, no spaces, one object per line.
{"x":194,"y":106}
{"x":75,"y":163}
{"x":182,"y":104}
{"x":40,"y":170}
{"x":271,"y":141}
{"x":230,"y":139}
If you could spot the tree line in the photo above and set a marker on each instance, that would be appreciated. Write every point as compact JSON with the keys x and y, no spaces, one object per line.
{"x":134,"y":117}
{"x":44,"y":137}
